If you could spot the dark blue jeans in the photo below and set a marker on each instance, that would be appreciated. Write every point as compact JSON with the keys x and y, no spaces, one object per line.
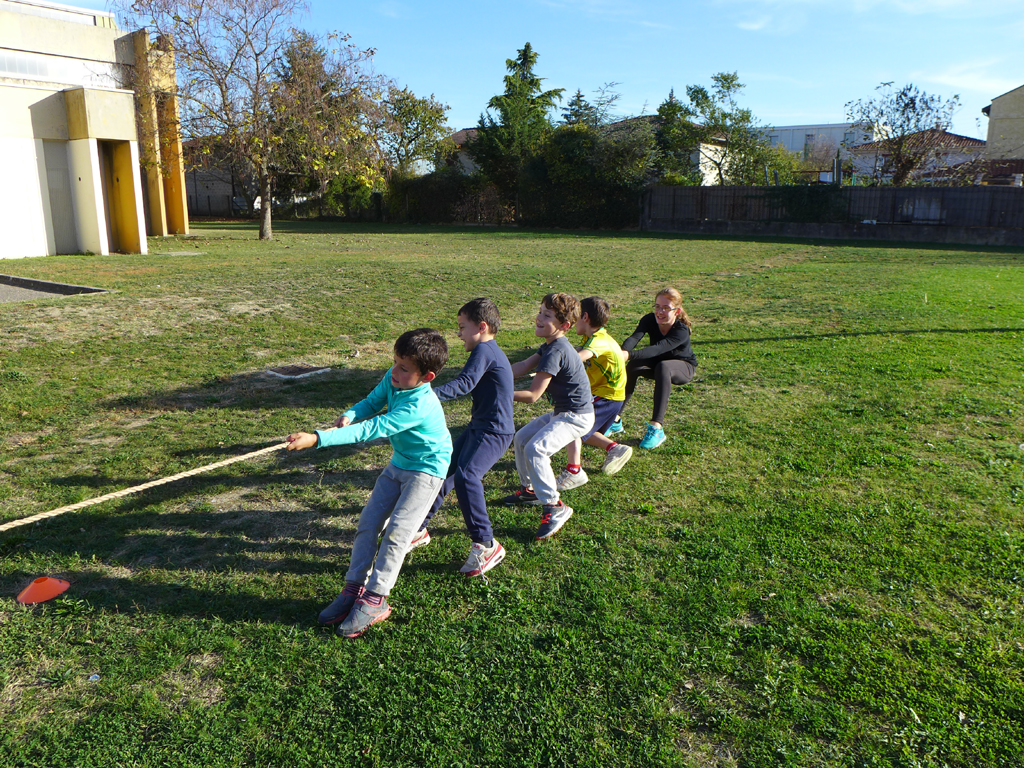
{"x":474,"y":453}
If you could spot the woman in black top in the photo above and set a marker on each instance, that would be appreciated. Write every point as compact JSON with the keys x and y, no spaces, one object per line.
{"x":668,"y":359}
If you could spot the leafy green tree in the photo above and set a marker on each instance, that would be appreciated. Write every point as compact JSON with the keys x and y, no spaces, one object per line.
{"x":508,"y":139}
{"x":595,"y":174}
{"x":416,"y":129}
{"x":326,"y":103}
{"x":726,"y":136}
{"x":909,"y":125}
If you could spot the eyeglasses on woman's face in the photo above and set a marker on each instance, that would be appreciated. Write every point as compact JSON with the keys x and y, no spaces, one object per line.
{"x":664,"y":309}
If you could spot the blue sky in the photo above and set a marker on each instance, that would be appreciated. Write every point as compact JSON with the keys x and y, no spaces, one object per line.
{"x":801,"y":60}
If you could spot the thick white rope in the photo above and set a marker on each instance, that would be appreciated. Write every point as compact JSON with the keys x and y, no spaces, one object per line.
{"x":137,"y":488}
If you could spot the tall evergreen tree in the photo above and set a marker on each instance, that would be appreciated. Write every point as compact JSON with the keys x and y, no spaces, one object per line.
{"x":509,"y":138}
{"x":676,"y":141}
{"x":579,"y":111}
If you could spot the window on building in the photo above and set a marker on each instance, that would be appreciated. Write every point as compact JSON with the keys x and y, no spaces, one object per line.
{"x":808,"y":143}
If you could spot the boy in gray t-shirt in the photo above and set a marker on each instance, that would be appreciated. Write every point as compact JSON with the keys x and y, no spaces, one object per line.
{"x":560,"y":373}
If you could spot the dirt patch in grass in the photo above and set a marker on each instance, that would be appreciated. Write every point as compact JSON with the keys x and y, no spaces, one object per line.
{"x":107,"y":440}
{"x":193,"y":683}
{"x":748,"y":620}
{"x":20,"y":439}
{"x":116,"y":315}
{"x":703,"y":752}
{"x":36,"y":690}
{"x":255,"y":308}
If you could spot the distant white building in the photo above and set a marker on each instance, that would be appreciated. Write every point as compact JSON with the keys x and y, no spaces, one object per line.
{"x":802,"y":139}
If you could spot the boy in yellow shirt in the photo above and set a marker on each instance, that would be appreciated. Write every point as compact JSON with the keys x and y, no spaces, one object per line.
{"x":602,"y":359}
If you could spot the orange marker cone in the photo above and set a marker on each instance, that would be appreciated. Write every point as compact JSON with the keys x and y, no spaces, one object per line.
{"x":42,"y":589}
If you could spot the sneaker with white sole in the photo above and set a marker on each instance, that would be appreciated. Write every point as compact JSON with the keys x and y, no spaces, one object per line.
{"x":653,"y":437}
{"x":421,"y":539}
{"x":568,"y":480}
{"x":363,"y":615}
{"x":481,"y":559}
{"x":616,"y":458}
{"x":554,"y":517}
{"x":614,"y":429}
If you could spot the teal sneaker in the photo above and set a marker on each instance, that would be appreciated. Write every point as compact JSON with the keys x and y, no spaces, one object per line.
{"x":614,"y":429}
{"x":654,"y":437}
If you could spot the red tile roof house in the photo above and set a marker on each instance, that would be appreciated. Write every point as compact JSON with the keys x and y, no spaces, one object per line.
{"x":943,"y":150}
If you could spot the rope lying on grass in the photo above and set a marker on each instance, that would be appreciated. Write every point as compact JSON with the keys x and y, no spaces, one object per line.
{"x":137,"y":488}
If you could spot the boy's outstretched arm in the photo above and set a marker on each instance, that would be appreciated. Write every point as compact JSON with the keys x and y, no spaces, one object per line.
{"x":536,"y":390}
{"x":466,"y":381}
{"x":523,"y":367}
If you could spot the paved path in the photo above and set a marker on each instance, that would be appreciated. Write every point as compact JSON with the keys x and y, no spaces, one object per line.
{"x":13,"y":293}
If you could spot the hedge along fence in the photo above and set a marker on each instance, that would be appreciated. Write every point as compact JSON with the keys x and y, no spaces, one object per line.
{"x":666,"y":208}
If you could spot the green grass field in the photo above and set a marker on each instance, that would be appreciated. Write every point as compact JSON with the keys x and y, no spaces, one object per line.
{"x":822,"y":566}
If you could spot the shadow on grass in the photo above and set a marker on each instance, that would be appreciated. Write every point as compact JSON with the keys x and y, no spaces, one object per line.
{"x":258,"y":390}
{"x":853,"y":334}
{"x":230,"y":563}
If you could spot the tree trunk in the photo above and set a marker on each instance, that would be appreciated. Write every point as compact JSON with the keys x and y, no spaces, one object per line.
{"x":266,"y":231}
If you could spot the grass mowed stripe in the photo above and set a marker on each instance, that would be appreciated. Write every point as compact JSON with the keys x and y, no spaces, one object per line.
{"x":823,"y":565}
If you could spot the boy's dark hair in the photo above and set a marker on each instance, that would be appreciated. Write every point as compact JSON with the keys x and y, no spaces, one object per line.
{"x":426,"y":347}
{"x":482,"y":310}
{"x":597,"y":311}
{"x":565,"y":307}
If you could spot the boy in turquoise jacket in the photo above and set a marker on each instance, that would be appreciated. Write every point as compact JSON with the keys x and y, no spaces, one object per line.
{"x":415,"y":426}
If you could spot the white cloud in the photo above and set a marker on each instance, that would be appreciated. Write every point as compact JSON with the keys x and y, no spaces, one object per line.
{"x":393,"y":10}
{"x":986,"y":77}
{"x":756,"y":24}
{"x":620,"y":12}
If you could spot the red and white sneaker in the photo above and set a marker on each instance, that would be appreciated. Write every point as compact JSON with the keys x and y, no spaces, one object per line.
{"x":421,"y":539}
{"x":481,"y":559}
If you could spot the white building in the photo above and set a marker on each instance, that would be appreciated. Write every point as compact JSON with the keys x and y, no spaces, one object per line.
{"x":68,"y":139}
{"x":1006,"y":126}
{"x":802,"y":139}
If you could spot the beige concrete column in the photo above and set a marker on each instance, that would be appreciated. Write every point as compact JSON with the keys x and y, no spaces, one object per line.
{"x":87,"y":194}
{"x":149,"y":132}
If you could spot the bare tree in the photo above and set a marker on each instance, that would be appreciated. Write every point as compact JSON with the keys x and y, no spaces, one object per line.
{"x":910,"y":129}
{"x":262,"y":94}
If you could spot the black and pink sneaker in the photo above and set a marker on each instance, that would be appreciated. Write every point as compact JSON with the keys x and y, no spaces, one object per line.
{"x":364,"y":614}
{"x":339,"y":609}
{"x":524,"y":496}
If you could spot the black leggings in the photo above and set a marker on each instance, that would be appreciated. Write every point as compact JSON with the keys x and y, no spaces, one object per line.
{"x":665,"y":374}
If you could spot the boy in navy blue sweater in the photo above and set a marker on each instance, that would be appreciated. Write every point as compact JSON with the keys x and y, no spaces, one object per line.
{"x":488,"y":376}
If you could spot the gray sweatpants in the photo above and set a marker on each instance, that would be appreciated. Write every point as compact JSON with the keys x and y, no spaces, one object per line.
{"x":541,"y":439}
{"x":404,"y":496}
